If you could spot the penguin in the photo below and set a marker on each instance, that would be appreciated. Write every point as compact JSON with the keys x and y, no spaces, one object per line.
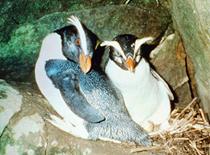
{"x":147,"y":96}
{"x":90,"y":106}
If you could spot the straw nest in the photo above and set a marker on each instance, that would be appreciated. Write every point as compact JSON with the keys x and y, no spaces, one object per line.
{"x":189,"y":133}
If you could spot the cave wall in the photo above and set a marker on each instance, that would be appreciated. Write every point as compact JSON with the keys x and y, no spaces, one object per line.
{"x":192,"y":20}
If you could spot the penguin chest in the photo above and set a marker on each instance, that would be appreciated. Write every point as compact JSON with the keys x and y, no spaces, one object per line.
{"x":140,"y":90}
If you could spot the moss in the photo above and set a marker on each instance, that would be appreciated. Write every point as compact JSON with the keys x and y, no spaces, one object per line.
{"x":18,"y":53}
{"x":1,"y":108}
{"x":17,"y":12}
{"x":5,"y":139}
{"x":3,"y":95}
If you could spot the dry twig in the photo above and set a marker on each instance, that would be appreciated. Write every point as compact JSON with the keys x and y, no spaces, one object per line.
{"x":189,"y":133}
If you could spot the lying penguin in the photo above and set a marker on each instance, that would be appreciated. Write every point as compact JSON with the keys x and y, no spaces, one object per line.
{"x":89,"y":105}
{"x":147,"y":96}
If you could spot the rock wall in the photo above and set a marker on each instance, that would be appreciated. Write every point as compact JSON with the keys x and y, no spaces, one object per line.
{"x":192,"y":21}
{"x":169,"y":58}
{"x":10,"y":103}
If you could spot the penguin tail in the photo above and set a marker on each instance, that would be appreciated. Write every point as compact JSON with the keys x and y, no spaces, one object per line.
{"x":120,"y":132}
{"x":66,"y":126}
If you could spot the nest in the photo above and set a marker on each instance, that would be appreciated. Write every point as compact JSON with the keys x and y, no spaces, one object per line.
{"x":189,"y":133}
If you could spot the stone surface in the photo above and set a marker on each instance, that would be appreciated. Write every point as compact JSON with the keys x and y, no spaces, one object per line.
{"x":10,"y":103}
{"x":28,"y":125}
{"x":27,"y":136}
{"x":192,"y":21}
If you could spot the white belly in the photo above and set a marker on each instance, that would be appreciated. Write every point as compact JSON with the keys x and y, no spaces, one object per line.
{"x":51,"y":49}
{"x":145,"y":97}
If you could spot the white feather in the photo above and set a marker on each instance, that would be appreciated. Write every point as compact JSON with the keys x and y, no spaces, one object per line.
{"x":78,"y":131}
{"x":115,"y":45}
{"x":75,"y":21}
{"x":165,"y":85}
{"x":146,"y":98}
{"x":52,"y":49}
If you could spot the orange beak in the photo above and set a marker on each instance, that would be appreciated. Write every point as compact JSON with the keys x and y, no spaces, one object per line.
{"x":85,"y":62}
{"x":130,"y":64}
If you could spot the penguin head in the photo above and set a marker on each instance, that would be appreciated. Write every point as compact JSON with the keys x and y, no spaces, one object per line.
{"x":125,"y":50}
{"x":78,"y":43}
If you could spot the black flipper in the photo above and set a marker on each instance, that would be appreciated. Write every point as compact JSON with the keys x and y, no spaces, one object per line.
{"x":63,"y":74}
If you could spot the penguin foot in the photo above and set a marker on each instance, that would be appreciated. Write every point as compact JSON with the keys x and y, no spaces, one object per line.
{"x":139,"y":135}
{"x":148,"y":126}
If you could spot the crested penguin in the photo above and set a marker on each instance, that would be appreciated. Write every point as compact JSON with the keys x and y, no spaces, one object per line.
{"x":90,"y":106}
{"x":146,"y":95}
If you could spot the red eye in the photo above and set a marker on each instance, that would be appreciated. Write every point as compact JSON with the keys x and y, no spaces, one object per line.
{"x":77,"y":42}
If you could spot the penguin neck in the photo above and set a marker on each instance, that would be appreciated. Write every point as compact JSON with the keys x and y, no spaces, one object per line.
{"x":100,"y":59}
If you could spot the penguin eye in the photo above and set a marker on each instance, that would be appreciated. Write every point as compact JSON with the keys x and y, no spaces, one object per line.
{"x":118,"y":59}
{"x":117,"y":54}
{"x":137,"y":58}
{"x":77,"y":42}
{"x":132,"y":46}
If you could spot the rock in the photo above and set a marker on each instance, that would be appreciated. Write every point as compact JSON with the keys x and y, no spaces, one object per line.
{"x":192,"y":20}
{"x":24,"y":134}
{"x":28,"y":125}
{"x":27,"y":136}
{"x":169,"y":58}
{"x":10,"y":103}
{"x":19,"y":54}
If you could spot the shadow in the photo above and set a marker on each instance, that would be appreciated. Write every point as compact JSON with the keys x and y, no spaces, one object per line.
{"x":146,"y":49}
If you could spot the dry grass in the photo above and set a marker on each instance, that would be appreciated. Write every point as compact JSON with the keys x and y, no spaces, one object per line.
{"x":189,"y":133}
